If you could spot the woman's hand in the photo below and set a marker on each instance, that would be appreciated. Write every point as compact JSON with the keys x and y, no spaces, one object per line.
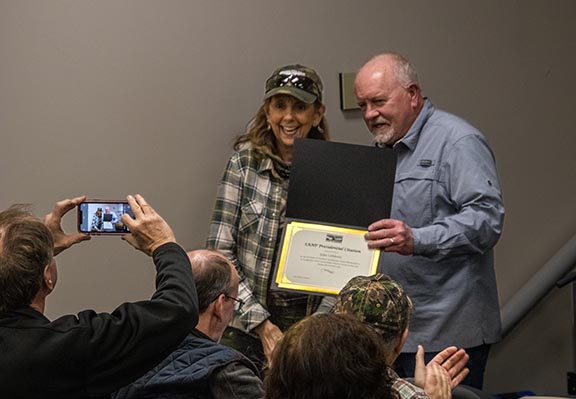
{"x":269,"y":334}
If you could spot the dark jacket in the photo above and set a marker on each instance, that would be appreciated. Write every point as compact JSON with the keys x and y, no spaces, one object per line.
{"x":93,"y":354}
{"x":199,"y":368}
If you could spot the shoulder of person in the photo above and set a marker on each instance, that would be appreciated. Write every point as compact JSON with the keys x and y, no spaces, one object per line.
{"x":247,"y":156}
{"x":454,"y":127}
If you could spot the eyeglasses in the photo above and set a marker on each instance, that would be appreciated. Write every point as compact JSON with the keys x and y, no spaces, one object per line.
{"x":237,"y":302}
{"x":293,"y":80}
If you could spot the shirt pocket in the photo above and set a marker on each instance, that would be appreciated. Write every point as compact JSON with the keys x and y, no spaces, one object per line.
{"x":251,"y":213}
{"x":413,"y":194}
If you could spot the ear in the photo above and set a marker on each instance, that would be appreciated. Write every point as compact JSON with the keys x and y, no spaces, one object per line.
{"x":218,"y":310}
{"x":400,"y":344}
{"x":266,"y":108}
{"x":318,"y":115}
{"x":414,"y":93}
{"x":49,"y":278}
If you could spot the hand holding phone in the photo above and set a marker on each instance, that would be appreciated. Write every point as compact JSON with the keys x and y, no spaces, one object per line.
{"x":103,"y":217}
{"x":53,"y":221}
{"x":148,"y":229}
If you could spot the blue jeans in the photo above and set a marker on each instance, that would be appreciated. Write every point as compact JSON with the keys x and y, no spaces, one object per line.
{"x":405,"y":363}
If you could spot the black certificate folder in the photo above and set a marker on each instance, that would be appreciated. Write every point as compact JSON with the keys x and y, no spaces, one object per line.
{"x":339,"y":183}
{"x":336,"y":191}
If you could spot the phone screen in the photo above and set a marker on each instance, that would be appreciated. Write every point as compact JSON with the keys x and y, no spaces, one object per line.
{"x":103,"y":217}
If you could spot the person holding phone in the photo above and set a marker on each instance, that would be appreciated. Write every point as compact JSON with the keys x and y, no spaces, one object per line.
{"x":250,"y":206}
{"x":90,"y":354}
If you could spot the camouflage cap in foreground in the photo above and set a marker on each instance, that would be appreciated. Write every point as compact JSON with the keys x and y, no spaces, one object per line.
{"x":377,"y":300}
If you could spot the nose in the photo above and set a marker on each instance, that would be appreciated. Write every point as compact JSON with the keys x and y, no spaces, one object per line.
{"x":370,"y":111}
{"x":288,"y":113}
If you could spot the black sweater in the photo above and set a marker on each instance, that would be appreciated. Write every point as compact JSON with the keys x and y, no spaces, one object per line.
{"x":93,"y":354}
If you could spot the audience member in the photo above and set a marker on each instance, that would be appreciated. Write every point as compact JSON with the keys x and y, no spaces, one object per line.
{"x":200,"y":367}
{"x":329,"y":356}
{"x":381,"y":303}
{"x":446,"y":216}
{"x":92,"y":354}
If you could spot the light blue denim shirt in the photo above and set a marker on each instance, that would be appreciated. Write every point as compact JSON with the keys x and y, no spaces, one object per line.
{"x":447,"y":191}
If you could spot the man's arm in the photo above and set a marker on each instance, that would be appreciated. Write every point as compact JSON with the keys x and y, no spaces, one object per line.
{"x":470,"y":179}
{"x":121,"y":346}
{"x":471,"y":184}
{"x":125,"y":344}
{"x":236,"y":381}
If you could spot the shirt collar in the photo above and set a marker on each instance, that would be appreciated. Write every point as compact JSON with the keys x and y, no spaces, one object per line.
{"x":23,"y":313}
{"x":410,"y":139}
{"x":200,"y":334}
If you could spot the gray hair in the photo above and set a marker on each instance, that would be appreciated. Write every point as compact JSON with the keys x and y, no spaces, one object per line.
{"x":26,"y":248}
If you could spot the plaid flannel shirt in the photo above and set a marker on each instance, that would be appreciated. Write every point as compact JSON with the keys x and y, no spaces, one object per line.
{"x":245,"y":226}
{"x":404,"y":389}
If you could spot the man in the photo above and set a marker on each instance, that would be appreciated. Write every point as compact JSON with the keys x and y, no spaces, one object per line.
{"x":92,"y":354}
{"x":109,"y":219}
{"x":200,"y":367}
{"x":446,"y":216}
{"x":380,"y":302}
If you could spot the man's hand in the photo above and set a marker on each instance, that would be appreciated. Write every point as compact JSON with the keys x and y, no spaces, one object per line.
{"x":269,"y":334}
{"x":390,"y":235}
{"x":454,"y":361}
{"x":148,"y":230}
{"x":433,"y":378}
{"x":53,"y":221}
{"x":451,"y":359}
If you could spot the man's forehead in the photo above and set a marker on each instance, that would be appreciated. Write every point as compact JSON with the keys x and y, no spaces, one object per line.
{"x":375,"y":84}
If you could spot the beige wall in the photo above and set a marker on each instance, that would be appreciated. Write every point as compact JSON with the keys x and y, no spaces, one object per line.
{"x":109,"y":97}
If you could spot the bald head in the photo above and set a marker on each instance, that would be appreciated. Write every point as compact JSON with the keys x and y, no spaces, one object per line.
{"x":213,"y":274}
{"x":394,"y":66}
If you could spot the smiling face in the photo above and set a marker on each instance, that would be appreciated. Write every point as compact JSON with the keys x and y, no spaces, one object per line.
{"x":290,"y":118}
{"x":388,"y":107}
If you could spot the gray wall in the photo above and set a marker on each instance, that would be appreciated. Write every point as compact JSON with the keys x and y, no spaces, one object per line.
{"x":107,"y":98}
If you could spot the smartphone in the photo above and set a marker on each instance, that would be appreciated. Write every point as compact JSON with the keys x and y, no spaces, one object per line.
{"x":103,"y":217}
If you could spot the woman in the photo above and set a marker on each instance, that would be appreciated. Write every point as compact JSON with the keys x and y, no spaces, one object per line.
{"x":329,"y":356}
{"x":250,"y":206}
{"x":97,"y":220}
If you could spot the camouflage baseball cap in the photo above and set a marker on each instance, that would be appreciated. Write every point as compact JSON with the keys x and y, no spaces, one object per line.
{"x":296,"y":80}
{"x":377,"y":300}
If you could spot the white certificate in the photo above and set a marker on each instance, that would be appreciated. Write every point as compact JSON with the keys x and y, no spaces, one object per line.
{"x":322,"y":259}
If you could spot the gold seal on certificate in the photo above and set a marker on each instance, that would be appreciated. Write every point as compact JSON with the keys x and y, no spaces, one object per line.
{"x":321,"y":258}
